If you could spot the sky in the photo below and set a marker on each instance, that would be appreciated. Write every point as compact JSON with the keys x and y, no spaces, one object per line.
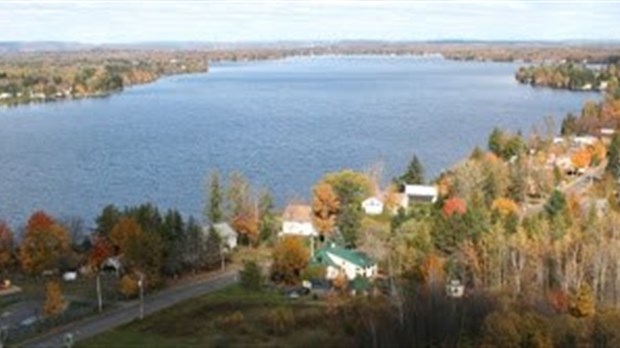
{"x":304,"y":20}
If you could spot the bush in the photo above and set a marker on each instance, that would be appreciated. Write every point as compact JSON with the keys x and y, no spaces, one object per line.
{"x":128,"y":286}
{"x":251,"y":276}
{"x":313,"y":272}
{"x":280,"y":320}
{"x":230,"y":321}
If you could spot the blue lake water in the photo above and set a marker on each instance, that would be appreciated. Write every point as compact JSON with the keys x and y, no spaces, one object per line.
{"x":282,"y":123}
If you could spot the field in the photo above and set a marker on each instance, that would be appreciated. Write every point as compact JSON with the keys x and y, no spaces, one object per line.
{"x":232,"y":317}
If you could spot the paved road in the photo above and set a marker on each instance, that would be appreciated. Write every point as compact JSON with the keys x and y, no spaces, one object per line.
{"x":117,"y":317}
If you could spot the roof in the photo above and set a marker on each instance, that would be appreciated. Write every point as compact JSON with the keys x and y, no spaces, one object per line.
{"x":421,"y":190}
{"x":297,"y":212}
{"x":224,"y":230}
{"x":355,"y":257}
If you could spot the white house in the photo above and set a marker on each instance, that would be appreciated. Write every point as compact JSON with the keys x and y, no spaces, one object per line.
{"x":297,"y":221}
{"x":352,"y":262}
{"x":422,"y":193}
{"x":228,"y":235}
{"x":372,"y":206}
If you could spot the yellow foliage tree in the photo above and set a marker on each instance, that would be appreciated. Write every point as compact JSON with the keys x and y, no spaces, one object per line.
{"x":505,"y":206}
{"x":290,"y":257}
{"x":54,"y":301}
{"x":125,"y":229}
{"x":128,"y":286}
{"x":583,"y":304}
{"x":325,"y":205}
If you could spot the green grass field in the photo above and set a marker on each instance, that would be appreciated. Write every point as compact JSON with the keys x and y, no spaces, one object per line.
{"x":232,"y":317}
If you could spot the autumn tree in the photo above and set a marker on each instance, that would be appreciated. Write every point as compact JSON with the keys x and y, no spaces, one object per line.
{"x":144,"y":252}
{"x":505,"y":206}
{"x":213,"y":209}
{"x":453,"y":206}
{"x":325,"y":205}
{"x":101,"y":251}
{"x":290,"y":258}
{"x":125,"y":229}
{"x":583,"y":304}
{"x":54,"y":301}
{"x":581,"y":159}
{"x":44,"y":243}
{"x":6,"y":246}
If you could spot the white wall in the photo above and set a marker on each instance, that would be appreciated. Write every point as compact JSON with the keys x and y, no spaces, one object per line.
{"x":298,"y":228}
{"x":372,"y":206}
{"x":349,"y":269}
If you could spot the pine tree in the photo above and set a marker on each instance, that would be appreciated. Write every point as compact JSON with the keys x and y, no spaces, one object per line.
{"x":213,"y":210}
{"x":414,"y":174}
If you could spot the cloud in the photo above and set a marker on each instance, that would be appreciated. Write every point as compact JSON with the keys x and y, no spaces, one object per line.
{"x":271,"y":20}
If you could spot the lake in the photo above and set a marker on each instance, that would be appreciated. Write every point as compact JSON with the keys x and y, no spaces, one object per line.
{"x":281,"y":123}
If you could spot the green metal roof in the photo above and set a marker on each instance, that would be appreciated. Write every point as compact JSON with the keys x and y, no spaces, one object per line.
{"x":355,"y":257}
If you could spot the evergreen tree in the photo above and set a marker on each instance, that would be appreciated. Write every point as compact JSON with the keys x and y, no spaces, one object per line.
{"x":613,"y":164}
{"x":496,"y":141}
{"x":556,"y":204}
{"x":251,"y":276}
{"x":414,"y":174}
{"x":213,"y":249}
{"x":213,"y":210}
{"x":267,"y":218}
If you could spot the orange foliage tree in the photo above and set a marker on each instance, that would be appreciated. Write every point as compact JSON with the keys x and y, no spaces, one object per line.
{"x":325,"y":205}
{"x":54,"y":301}
{"x":290,"y":257}
{"x":453,"y":206}
{"x":125,"y":229}
{"x":43,"y":244}
{"x":581,"y":159}
{"x":247,"y":223}
{"x":6,"y":245}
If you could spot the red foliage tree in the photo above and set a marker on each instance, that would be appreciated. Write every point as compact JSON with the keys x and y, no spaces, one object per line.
{"x":453,"y":206}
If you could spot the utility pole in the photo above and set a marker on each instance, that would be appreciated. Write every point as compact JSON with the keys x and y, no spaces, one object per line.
{"x":141,"y":285}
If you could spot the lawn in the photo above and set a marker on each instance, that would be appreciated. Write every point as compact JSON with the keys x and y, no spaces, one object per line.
{"x":232,"y":317}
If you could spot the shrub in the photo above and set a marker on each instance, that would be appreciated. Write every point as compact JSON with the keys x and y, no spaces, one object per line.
{"x":128,"y":286}
{"x":230,"y":321}
{"x":54,"y":301}
{"x":280,"y":320}
{"x":251,"y":276}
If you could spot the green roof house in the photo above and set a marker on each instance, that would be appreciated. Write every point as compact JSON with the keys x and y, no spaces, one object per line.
{"x":353,"y":263}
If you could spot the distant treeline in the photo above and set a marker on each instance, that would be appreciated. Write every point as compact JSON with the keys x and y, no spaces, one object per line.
{"x":44,"y":76}
{"x":569,"y":75}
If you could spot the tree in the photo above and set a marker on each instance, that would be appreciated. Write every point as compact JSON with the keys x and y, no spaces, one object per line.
{"x":349,"y":224}
{"x":496,"y":141}
{"x":613,"y":164}
{"x":453,"y":206}
{"x":213,"y":250}
{"x":125,"y":229}
{"x":172,"y":232}
{"x":54,"y":301}
{"x":556,"y":204}
{"x":325,"y":207}
{"x":290,"y":257}
{"x":144,"y":252}
{"x":505,"y":206}
{"x":414,"y":175}
{"x":583,"y":304}
{"x":107,"y":219}
{"x":581,"y":159}
{"x":43,"y":244}
{"x":6,"y":246}
{"x":213,"y":210}
{"x":268,"y":224}
{"x":251,"y":276}
{"x":101,"y":251}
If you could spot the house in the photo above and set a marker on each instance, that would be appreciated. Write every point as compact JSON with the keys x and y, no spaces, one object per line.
{"x":373,"y":205}
{"x":337,"y":259}
{"x":421,"y":193}
{"x":297,"y":221}
{"x":227,"y":234}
